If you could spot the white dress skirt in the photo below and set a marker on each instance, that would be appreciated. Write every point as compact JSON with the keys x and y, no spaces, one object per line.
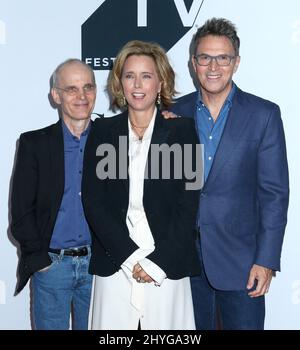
{"x":168,"y":307}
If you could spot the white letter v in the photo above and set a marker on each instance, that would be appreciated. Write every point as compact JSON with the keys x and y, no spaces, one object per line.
{"x":188,"y":18}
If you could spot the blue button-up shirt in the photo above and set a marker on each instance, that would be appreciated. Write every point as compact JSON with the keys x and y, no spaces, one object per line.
{"x":210,"y":132}
{"x":71,"y":228}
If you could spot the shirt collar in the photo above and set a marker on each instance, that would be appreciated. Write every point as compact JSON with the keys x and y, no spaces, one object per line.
{"x":228,"y":100}
{"x":69,"y":136}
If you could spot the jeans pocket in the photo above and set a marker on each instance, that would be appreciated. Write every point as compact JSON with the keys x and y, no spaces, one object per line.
{"x":45,"y":269}
{"x":55,"y":260}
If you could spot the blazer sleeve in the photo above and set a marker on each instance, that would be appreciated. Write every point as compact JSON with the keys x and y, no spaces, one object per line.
{"x":23,"y":206}
{"x":24,"y":187}
{"x":273,"y":192}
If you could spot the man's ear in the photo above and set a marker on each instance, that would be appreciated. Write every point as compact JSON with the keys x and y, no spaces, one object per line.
{"x":55,"y":96}
{"x":237,"y":62}
{"x":194,"y":64}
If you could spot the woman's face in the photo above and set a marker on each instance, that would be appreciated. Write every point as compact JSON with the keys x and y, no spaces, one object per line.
{"x":140,"y":83}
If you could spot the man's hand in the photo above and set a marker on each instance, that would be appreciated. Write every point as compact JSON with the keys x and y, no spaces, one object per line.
{"x":169,"y":115}
{"x":263,"y":276}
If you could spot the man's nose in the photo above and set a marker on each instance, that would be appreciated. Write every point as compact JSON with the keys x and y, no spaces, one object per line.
{"x":81,"y":93}
{"x":213,"y":63}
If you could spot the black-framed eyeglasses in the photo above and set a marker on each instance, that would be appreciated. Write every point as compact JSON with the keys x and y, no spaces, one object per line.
{"x":74,"y":90}
{"x":205,"y":60}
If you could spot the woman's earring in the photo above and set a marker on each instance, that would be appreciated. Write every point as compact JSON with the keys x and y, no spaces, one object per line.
{"x":124,"y":101}
{"x":158,"y":99}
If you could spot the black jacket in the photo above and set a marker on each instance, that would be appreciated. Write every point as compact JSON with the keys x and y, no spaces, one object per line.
{"x":38,"y":186}
{"x":170,"y":209}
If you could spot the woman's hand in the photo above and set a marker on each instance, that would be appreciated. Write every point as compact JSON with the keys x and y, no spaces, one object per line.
{"x":140,"y":275}
{"x":169,"y":115}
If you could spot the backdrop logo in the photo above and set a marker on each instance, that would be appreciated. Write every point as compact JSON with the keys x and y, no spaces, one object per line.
{"x":116,"y":22}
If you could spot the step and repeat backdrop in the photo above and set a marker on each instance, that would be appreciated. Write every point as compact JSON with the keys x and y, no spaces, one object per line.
{"x":35,"y":36}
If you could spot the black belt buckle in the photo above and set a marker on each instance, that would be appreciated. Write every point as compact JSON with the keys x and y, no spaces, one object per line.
{"x":71,"y":252}
{"x":76,"y":252}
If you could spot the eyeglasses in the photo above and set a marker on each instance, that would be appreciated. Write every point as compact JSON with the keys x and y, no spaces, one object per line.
{"x":74,"y":90}
{"x":205,"y":60}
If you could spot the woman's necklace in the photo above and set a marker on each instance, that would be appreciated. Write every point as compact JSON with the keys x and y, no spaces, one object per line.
{"x":139,"y":130}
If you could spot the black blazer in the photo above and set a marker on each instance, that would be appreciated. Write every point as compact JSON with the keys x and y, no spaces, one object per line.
{"x":170,"y":209}
{"x":38,"y":186}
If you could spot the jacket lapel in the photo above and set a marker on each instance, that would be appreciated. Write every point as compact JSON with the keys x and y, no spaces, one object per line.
{"x":160,"y":132}
{"x":121,"y":129}
{"x":159,"y":136}
{"x":235,"y":126}
{"x":190,"y":107}
{"x":57,"y":166}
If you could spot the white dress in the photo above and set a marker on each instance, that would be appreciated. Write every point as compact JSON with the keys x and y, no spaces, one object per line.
{"x":118,"y":301}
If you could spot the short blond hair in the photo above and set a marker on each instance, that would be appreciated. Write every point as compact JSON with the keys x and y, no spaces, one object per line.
{"x":164,"y":70}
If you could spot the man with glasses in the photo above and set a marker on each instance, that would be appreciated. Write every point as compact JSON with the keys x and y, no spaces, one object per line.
{"x":47,"y":214}
{"x":243,"y":204}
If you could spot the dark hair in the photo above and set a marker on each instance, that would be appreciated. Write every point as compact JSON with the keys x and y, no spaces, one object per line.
{"x":217,"y":27}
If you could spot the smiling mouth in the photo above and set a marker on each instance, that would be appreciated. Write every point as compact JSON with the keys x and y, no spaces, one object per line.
{"x":81,"y":105}
{"x":213,"y":77}
{"x":138,"y":95}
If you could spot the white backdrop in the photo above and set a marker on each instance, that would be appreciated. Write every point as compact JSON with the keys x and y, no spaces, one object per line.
{"x":37,"y":35}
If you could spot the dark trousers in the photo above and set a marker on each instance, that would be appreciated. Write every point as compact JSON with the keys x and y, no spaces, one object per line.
{"x":228,"y":310}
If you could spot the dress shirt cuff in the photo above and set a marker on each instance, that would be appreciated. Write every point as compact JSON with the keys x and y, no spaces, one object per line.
{"x":153,"y":270}
{"x":133,"y":259}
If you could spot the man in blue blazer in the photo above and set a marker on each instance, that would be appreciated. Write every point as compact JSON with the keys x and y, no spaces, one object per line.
{"x":243,"y":204}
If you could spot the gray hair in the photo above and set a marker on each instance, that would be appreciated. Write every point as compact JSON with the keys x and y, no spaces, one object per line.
{"x":218,"y":27}
{"x":58,"y":69}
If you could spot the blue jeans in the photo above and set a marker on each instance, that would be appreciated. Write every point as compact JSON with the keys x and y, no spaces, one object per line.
{"x":64,"y":288}
{"x":228,"y":310}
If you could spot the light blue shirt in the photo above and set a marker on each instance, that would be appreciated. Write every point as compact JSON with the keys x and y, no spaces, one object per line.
{"x":210,"y":132}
